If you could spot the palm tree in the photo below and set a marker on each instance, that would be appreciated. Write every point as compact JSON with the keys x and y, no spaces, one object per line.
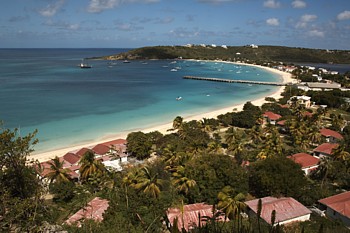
{"x":57,"y":172}
{"x":231,"y":135}
{"x":340,"y":153}
{"x":206,"y":125}
{"x":314,"y":135}
{"x":181,"y":182}
{"x":90,"y":166}
{"x":232,"y":205}
{"x":149,"y":183}
{"x":177,"y":122}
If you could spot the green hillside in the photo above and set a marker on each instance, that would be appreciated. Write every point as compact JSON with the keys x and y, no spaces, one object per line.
{"x":234,"y":53}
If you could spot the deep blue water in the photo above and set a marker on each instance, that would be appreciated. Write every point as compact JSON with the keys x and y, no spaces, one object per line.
{"x":44,"y":89}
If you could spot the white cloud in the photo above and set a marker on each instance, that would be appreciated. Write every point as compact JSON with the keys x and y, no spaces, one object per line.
{"x":344,"y":15}
{"x":51,"y":9}
{"x":272,"y":4}
{"x":316,"y":33}
{"x":304,"y":20}
{"x":97,"y":6}
{"x":273,"y":22}
{"x":298,"y":4}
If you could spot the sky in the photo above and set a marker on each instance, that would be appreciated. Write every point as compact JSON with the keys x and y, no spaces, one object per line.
{"x":323,"y":24}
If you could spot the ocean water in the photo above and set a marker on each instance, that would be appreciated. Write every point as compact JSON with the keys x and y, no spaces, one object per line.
{"x":45,"y":89}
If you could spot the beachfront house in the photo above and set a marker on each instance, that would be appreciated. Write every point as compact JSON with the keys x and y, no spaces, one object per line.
{"x":337,"y":207}
{"x":325,"y":149}
{"x":301,"y":100}
{"x":331,"y":135}
{"x":287,"y":210}
{"x":94,"y":210}
{"x":271,"y":117}
{"x":307,"y":162}
{"x":318,"y":86}
{"x":190,"y":216}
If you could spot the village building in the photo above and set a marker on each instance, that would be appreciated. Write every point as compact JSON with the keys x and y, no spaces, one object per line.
{"x":337,"y":207}
{"x":325,"y":149}
{"x":301,"y":100}
{"x":271,"y":117}
{"x":307,"y":162}
{"x":190,"y":216}
{"x":318,"y":86}
{"x":94,"y":211}
{"x":331,"y":135}
{"x":287,"y":210}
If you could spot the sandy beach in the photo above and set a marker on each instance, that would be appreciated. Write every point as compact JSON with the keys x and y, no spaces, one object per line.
{"x":285,"y":77}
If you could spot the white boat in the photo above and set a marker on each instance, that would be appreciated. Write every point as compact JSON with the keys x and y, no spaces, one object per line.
{"x":173,"y":70}
{"x":84,"y":65}
{"x":126,"y":61}
{"x":179,"y":98}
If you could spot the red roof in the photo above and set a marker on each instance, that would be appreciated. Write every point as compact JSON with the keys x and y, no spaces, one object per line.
{"x":71,"y":158}
{"x":282,"y":122}
{"x":82,"y":151}
{"x":272,"y":116}
{"x":189,"y":217}
{"x":331,"y":133}
{"x":101,"y":149}
{"x":326,"y":148}
{"x":305,"y":160}
{"x":286,"y":208}
{"x":94,"y":210}
{"x":339,"y":203}
{"x":115,"y":142}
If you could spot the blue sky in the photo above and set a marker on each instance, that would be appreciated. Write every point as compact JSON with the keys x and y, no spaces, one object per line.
{"x":321,"y":24}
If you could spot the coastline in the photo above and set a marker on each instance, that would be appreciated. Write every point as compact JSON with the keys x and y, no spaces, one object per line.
{"x":162,"y":128}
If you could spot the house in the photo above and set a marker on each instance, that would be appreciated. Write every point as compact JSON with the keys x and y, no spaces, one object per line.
{"x":306,"y":161}
{"x":301,"y":100}
{"x":101,"y":149}
{"x":337,"y":207}
{"x":331,"y":135}
{"x":325,"y":149}
{"x":71,"y":158}
{"x":94,"y":210}
{"x":190,"y":215}
{"x":271,"y":117}
{"x":287,"y":210}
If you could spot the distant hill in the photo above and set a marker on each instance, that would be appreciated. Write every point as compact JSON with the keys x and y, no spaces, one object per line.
{"x":234,"y":53}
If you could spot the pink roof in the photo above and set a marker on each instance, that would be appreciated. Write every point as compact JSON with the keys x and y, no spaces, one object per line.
{"x":272,"y":116}
{"x":82,"y":151}
{"x":101,"y":149}
{"x":339,"y":203}
{"x":190,"y":215}
{"x":71,"y":158}
{"x":326,"y":148}
{"x":305,"y":160}
{"x":331,"y":133}
{"x":282,"y":122}
{"x":115,"y":142}
{"x":286,"y":208}
{"x":94,"y":210}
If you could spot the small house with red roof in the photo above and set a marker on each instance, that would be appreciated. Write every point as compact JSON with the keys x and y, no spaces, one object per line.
{"x":71,"y":158}
{"x":287,"y":209}
{"x":101,"y":150}
{"x":94,"y":210}
{"x":331,"y":135}
{"x":325,"y":149}
{"x":82,"y":151}
{"x":337,"y":207}
{"x":307,"y":162}
{"x":190,"y":216}
{"x":271,"y":117}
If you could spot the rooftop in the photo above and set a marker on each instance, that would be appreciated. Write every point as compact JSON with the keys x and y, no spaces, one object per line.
{"x":331,"y":133}
{"x":305,"y":160}
{"x":272,"y":116}
{"x":286,"y":208}
{"x":339,"y":203}
{"x":326,"y":148}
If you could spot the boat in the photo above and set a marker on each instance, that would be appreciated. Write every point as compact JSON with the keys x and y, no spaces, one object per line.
{"x":179,"y":98}
{"x":126,"y":61}
{"x":173,"y":70}
{"x":84,"y":65}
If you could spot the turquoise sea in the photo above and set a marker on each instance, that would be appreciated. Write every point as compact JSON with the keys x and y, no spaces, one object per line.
{"x":45,"y":89}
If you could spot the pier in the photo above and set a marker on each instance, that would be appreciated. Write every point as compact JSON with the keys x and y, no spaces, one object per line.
{"x":236,"y":81}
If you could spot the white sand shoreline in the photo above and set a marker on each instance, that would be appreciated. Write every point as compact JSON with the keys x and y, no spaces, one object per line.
{"x":162,"y":128}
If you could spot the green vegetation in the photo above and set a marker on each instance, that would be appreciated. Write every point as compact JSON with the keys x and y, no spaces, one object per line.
{"x":236,"y":53}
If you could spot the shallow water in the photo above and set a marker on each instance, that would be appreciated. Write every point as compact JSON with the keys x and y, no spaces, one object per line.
{"x":44,"y":89}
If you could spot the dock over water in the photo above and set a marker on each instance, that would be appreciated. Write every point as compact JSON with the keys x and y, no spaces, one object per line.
{"x":236,"y":81}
